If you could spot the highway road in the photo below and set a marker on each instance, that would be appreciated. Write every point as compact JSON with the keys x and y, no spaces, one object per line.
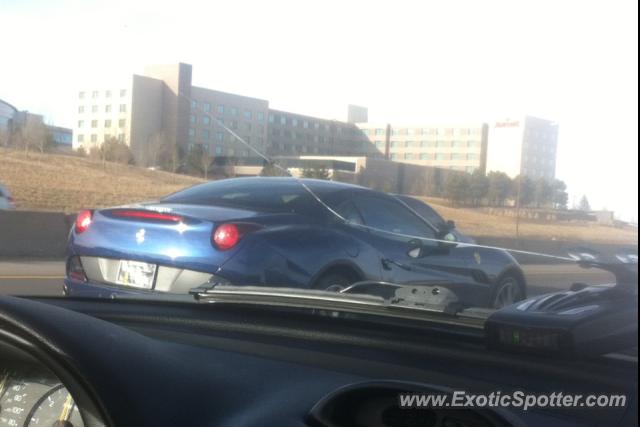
{"x":45,"y":277}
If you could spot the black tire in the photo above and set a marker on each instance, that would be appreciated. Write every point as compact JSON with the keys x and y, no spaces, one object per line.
{"x":333,"y":282}
{"x":508,"y":291}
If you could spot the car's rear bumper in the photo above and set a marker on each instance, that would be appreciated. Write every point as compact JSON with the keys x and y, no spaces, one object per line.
{"x":100,"y":279}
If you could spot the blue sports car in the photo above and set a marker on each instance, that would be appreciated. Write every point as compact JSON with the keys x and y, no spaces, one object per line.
{"x":281,"y":232}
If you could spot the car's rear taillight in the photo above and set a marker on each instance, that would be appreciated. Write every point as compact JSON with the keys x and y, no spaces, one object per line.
{"x":75,"y":270}
{"x":83,"y":221}
{"x":226,"y":236}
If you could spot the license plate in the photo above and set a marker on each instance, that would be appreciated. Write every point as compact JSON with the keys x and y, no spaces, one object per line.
{"x":136,"y":274}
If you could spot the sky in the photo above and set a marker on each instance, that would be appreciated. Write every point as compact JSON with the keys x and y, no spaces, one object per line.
{"x":575,"y":62}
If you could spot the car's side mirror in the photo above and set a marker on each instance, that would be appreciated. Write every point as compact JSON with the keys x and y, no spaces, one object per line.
{"x":416,"y":248}
{"x":445,"y":231}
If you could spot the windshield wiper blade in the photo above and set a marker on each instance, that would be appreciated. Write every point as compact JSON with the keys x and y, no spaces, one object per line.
{"x":336,"y":302}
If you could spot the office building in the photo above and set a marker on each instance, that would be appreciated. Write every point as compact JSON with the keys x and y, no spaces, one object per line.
{"x":460,"y":147}
{"x":14,"y":122}
{"x":526,"y":146}
{"x":162,"y":104}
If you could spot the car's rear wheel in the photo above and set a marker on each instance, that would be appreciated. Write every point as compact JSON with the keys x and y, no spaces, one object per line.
{"x":507,"y":292}
{"x":332,"y":282}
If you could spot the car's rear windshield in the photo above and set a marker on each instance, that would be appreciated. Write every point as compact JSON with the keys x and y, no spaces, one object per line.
{"x":272,"y":196}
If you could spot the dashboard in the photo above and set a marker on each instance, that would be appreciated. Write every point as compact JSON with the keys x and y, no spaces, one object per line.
{"x":31,"y":395}
{"x":73,"y":362}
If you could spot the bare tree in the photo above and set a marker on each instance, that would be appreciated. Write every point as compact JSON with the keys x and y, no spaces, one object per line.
{"x":45,"y":142}
{"x":5,"y":137}
{"x":32,"y":135}
{"x":170,"y":153}
{"x":153,"y":151}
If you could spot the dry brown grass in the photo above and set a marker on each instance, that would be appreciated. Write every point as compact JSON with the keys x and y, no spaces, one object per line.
{"x":64,"y":183}
{"x":53,"y":182}
{"x":480,"y":224}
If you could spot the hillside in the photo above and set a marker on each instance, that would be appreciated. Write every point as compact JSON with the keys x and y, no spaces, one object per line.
{"x":481,"y":224}
{"x":53,"y":182}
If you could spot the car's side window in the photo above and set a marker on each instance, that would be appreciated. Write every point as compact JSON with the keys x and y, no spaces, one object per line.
{"x":392,"y":216}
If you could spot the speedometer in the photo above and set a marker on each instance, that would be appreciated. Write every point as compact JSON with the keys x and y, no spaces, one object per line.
{"x":16,"y":399}
{"x":56,"y":409}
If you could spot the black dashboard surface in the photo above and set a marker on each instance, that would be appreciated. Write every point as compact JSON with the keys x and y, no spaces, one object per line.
{"x":156,"y":364}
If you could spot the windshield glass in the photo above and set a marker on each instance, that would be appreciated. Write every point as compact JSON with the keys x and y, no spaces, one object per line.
{"x":461,"y":149}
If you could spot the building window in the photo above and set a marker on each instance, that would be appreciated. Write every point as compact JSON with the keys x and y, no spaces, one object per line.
{"x":441,"y":156}
{"x":219,"y":137}
{"x":205,"y":134}
{"x":218,"y":149}
{"x":283,"y":120}
{"x":424,"y":156}
{"x":456,"y":156}
{"x":206,"y":107}
{"x":260,"y":116}
{"x":443,"y":144}
{"x":192,"y":118}
{"x":206,"y":120}
{"x":94,"y":123}
{"x":81,"y":95}
{"x":107,"y":123}
{"x":81,"y":109}
{"x":394,"y":157}
{"x":107,"y":94}
{"x":472,"y":156}
{"x":94,"y":108}
{"x":121,"y":123}
{"x":380,"y":132}
{"x":94,"y":94}
{"x":392,"y":144}
{"x":80,"y":123}
{"x":247,"y":114}
{"x":123,"y":93}
{"x":94,"y":138}
{"x":123,"y":108}
{"x":459,"y":144}
{"x":220,"y":109}
{"x":408,"y":156}
{"x":294,"y":122}
{"x":407,"y":144}
{"x":247,"y":127}
{"x":121,"y":137}
{"x":194,"y":104}
{"x":233,"y":111}
{"x":107,"y":108}
{"x":192,"y":134}
{"x":80,"y":138}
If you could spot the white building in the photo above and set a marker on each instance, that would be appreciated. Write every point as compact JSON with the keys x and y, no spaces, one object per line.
{"x":526,"y":146}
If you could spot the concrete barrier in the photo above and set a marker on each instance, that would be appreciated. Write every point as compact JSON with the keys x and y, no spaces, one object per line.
{"x":34,"y":234}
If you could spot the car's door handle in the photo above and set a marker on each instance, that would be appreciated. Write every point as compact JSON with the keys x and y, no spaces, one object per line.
{"x":387,"y":263}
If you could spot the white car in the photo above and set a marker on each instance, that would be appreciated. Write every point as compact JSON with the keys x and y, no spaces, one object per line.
{"x":6,"y":201}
